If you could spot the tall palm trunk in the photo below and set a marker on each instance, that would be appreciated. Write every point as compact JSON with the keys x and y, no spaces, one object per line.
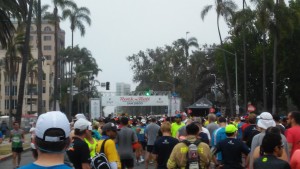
{"x":25,"y":57}
{"x":11,"y":74}
{"x":275,"y":64}
{"x":56,"y":58}
{"x":40,"y":57}
{"x":245,"y":64}
{"x":71,"y":80}
{"x":264,"y":74}
{"x":31,"y":85}
{"x":227,"y":85}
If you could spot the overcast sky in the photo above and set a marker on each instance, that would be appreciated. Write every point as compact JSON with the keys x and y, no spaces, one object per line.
{"x":121,"y":28}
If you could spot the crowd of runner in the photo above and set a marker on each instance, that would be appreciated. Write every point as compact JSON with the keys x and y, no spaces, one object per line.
{"x":256,"y":142}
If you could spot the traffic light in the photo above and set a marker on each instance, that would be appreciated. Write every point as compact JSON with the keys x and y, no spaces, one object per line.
{"x":149,"y":92}
{"x":107,"y":85}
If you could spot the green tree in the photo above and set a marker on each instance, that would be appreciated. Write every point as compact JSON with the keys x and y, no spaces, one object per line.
{"x":13,"y":8}
{"x":224,"y":8}
{"x":12,"y":59}
{"x":77,"y":17}
{"x":62,"y":4}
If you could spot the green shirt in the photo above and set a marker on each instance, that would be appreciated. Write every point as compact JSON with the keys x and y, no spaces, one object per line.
{"x":16,"y":138}
{"x":175,"y":127}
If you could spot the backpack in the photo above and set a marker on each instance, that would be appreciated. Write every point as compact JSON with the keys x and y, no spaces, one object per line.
{"x":192,"y":156}
{"x":99,"y":161}
{"x":253,"y":133}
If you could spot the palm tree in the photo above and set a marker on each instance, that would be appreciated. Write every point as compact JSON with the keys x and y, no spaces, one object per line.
{"x":186,"y":44}
{"x":264,"y":20}
{"x":25,"y":56}
{"x":223,"y":8}
{"x":12,"y":62}
{"x":77,"y":17}
{"x":11,"y":8}
{"x":33,"y":72}
{"x":38,"y":11}
{"x":62,"y":4}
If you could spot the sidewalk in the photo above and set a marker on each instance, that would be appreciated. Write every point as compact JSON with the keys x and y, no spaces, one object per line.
{"x":6,"y":146}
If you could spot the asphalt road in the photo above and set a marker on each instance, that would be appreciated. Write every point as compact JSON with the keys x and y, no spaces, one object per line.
{"x":27,"y":158}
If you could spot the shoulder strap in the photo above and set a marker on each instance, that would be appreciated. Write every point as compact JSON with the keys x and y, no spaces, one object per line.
{"x":102,"y":146}
{"x":197,"y":142}
{"x":186,"y":142}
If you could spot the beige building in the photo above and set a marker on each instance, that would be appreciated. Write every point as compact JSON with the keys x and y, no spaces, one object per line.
{"x":48,"y":48}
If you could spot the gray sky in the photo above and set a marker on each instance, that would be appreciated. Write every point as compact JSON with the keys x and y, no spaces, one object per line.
{"x":121,"y":28}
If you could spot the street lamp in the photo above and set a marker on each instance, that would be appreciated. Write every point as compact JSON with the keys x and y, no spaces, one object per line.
{"x":236,"y":76}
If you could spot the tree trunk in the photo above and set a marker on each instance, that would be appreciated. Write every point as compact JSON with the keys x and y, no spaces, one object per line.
{"x":55,"y":59}
{"x":227,"y":85}
{"x":71,"y":80}
{"x":275,"y":64}
{"x":26,"y":52}
{"x":31,"y":84}
{"x":245,"y":65}
{"x":40,"y":60}
{"x":11,"y":75}
{"x":264,"y":75}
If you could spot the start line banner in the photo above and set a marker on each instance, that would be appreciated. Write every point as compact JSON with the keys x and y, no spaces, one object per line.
{"x":135,"y":101}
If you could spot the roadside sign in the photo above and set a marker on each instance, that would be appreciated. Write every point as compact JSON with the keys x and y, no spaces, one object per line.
{"x":251,"y":108}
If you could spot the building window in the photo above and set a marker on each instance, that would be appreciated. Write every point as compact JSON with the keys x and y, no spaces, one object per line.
{"x":14,"y":104}
{"x":47,"y":57}
{"x":44,"y":76}
{"x":44,"y":103}
{"x":15,"y":77}
{"x":6,"y":104}
{"x":47,"y":47}
{"x":44,"y":89}
{"x":47,"y":38}
{"x":7,"y":90}
{"x":47,"y":29}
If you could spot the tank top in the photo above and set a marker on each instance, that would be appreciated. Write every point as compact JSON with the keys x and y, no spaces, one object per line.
{"x":92,"y":147}
{"x":16,"y":138}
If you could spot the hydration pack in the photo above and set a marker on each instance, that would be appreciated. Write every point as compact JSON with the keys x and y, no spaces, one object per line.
{"x":99,"y":161}
{"x":192,"y":156}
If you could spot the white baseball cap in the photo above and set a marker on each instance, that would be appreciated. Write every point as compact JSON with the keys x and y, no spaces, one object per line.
{"x":80,"y":116}
{"x":265,"y":120}
{"x":49,"y":122}
{"x":83,"y":124}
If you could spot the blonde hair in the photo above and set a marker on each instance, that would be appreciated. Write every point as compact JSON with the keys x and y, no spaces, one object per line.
{"x":165,"y":127}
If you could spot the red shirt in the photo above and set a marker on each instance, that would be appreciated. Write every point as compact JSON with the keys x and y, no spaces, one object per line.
{"x":245,"y":125}
{"x":293,"y":137}
{"x":295,"y":163}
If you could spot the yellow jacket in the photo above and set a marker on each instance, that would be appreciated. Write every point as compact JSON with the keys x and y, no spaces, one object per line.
{"x":110,"y":151}
{"x":178,"y":159}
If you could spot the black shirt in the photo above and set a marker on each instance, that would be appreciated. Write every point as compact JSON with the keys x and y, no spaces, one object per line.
{"x":270,"y":162}
{"x":232,"y":150}
{"x":249,"y":133}
{"x":163,"y":148}
{"x":78,"y":153}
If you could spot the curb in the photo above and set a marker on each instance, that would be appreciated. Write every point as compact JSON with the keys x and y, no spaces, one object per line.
{"x":6,"y":157}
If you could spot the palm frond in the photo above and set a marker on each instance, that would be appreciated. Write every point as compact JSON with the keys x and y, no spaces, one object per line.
{"x":205,"y":11}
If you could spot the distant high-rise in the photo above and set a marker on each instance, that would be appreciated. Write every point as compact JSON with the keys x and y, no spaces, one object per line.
{"x":122,"y":89}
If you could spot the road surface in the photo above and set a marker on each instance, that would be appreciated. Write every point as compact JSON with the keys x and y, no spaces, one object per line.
{"x":27,"y":158}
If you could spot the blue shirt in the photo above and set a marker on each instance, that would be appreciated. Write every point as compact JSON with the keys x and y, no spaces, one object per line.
{"x":141,"y":134}
{"x":218,"y":136}
{"x":35,"y":166}
{"x":240,"y":131}
{"x":1,"y":134}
